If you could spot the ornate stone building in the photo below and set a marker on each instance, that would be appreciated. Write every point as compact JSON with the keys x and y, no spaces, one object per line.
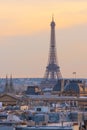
{"x":9,"y":99}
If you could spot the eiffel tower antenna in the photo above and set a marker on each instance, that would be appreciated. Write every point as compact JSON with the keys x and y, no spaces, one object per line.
{"x":52,"y":17}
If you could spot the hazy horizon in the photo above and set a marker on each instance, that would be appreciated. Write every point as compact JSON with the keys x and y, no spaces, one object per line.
{"x":25,"y":37}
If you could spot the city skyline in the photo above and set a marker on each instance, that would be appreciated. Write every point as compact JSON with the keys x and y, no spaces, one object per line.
{"x":25,"y":37}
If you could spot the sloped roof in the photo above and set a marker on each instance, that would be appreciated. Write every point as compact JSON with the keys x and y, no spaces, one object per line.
{"x":72,"y":87}
{"x":57,"y":87}
{"x":9,"y":95}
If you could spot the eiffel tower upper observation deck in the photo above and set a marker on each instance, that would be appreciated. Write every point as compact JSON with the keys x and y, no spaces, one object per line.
{"x":52,"y":72}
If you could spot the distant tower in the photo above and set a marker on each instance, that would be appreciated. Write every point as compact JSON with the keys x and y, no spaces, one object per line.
{"x":6,"y":85}
{"x":9,"y":85}
{"x":52,"y":72}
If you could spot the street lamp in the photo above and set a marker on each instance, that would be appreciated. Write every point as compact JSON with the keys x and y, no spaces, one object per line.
{"x":74,"y":73}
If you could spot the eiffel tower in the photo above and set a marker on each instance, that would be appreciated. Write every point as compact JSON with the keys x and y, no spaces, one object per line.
{"x":52,"y":73}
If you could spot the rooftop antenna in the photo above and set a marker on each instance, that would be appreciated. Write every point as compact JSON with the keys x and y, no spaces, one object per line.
{"x":52,"y":17}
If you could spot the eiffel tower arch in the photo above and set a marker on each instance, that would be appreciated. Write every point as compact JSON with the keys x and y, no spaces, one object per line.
{"x":52,"y":73}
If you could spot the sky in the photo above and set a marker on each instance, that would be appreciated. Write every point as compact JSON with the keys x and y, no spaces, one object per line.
{"x":25,"y":37}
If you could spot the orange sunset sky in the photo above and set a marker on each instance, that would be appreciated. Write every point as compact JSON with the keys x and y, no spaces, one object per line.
{"x":25,"y":37}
